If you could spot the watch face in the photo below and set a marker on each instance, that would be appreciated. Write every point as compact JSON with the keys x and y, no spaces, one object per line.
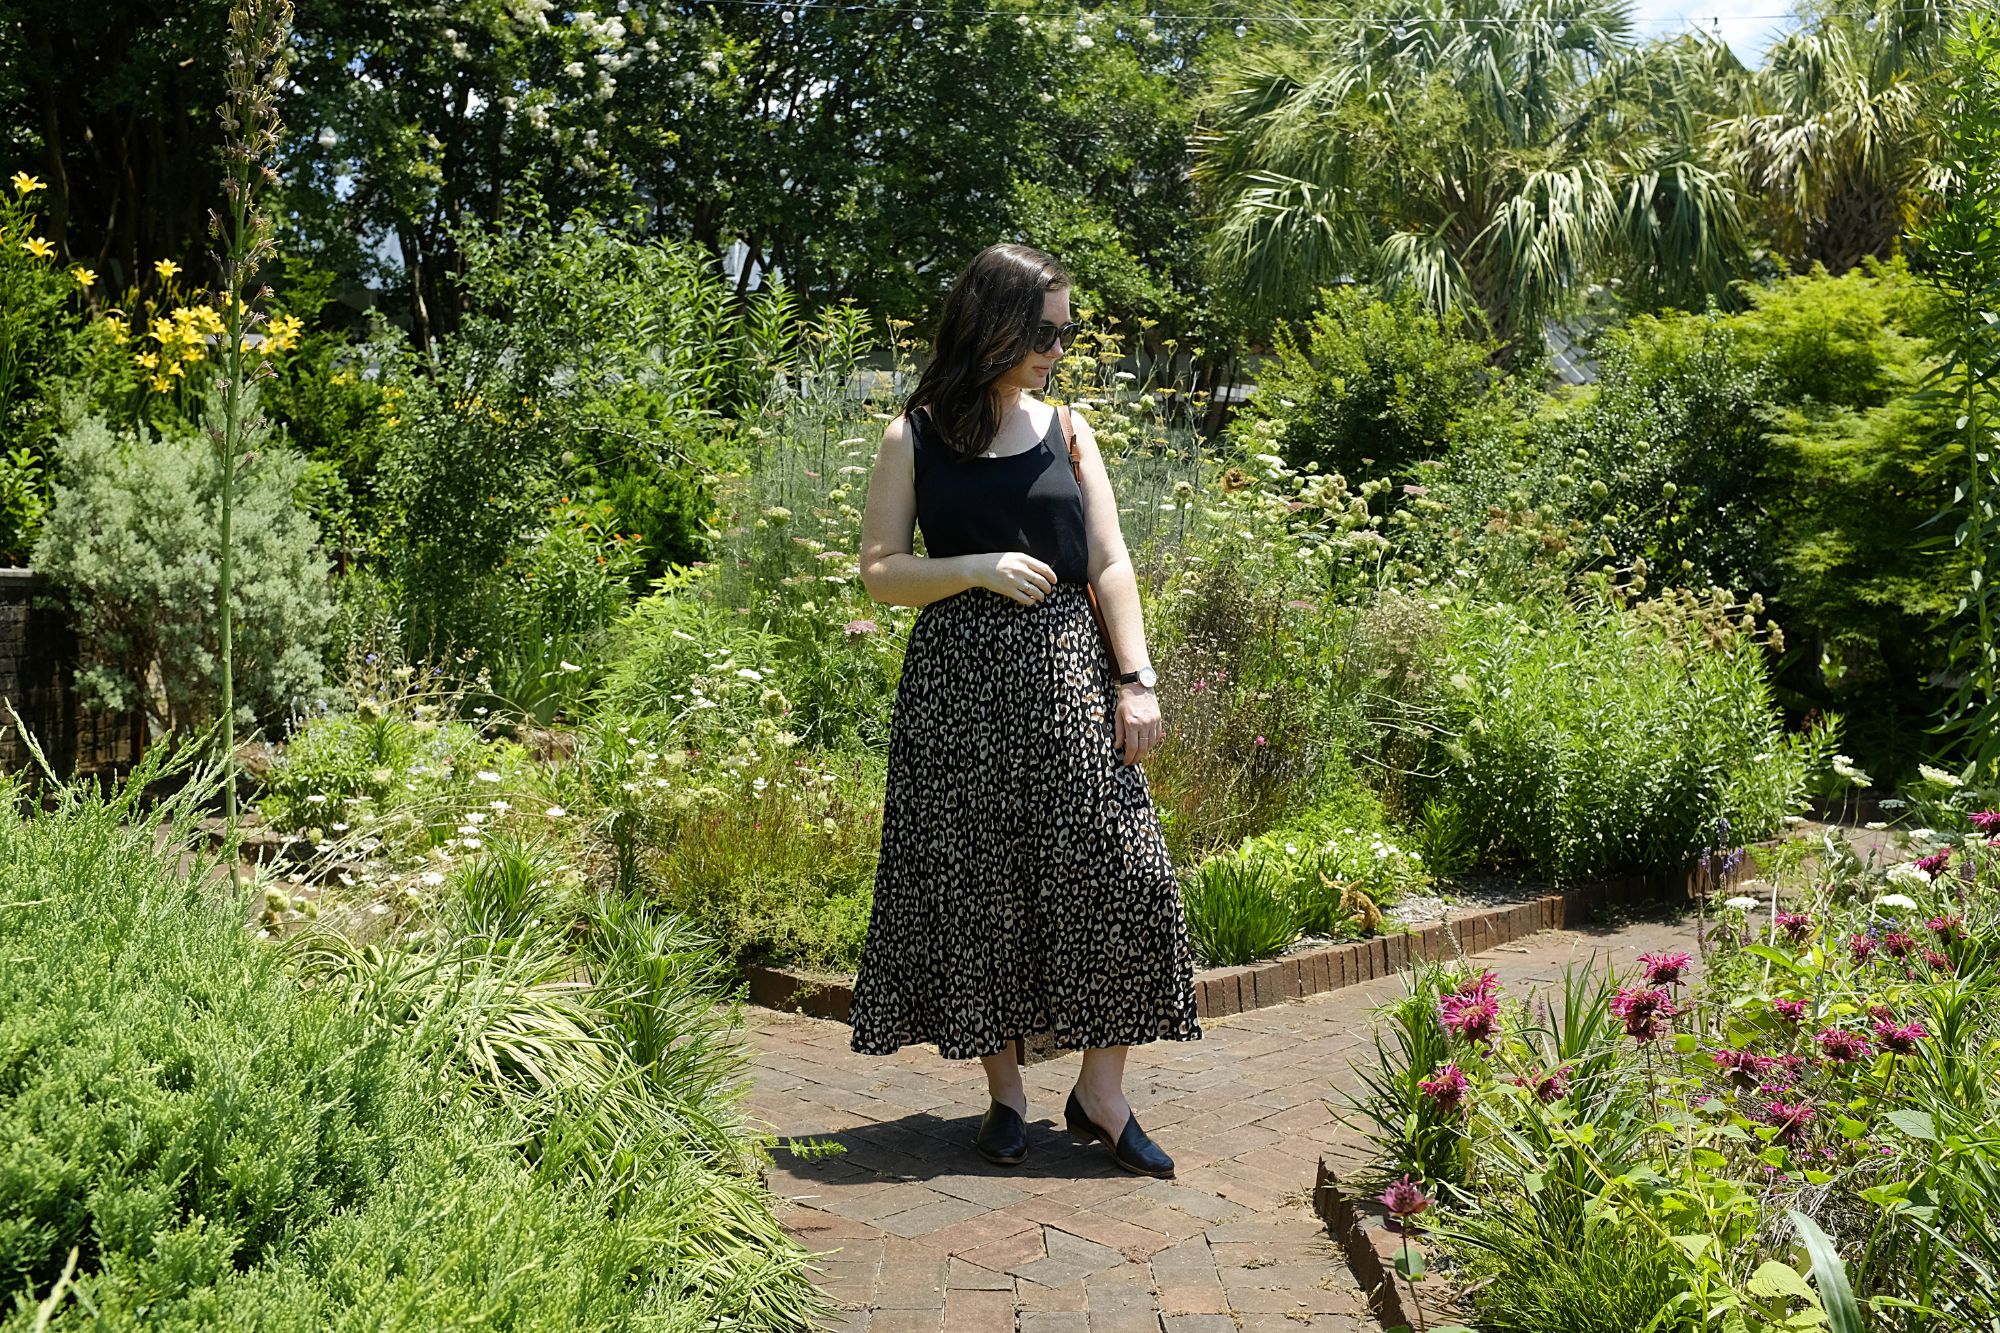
{"x":1146,"y":677}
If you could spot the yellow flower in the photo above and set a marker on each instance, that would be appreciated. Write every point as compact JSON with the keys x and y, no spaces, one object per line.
{"x":147,"y":360}
{"x":84,"y":277}
{"x":166,"y":268}
{"x":120,"y":331}
{"x":38,"y":247}
{"x":161,"y":384}
{"x":26,"y":184}
{"x":175,"y":369}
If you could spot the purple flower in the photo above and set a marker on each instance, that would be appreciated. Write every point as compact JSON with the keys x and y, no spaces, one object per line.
{"x":1552,"y":1086}
{"x":1472,"y":1017}
{"x":1746,"y":1069}
{"x":1447,"y":1089}
{"x":1901,"y":1038}
{"x":1792,"y":1011}
{"x":1844,"y":1047}
{"x":1665,"y":969}
{"x":1795,"y":924}
{"x":1405,"y":1198}
{"x":1788,"y":1118}
{"x":1645,"y":1011}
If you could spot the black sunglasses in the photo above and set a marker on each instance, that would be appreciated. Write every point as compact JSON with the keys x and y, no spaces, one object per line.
{"x":1047,"y":333}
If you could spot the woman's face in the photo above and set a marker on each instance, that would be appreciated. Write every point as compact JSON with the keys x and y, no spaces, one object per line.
{"x":1032,"y":372}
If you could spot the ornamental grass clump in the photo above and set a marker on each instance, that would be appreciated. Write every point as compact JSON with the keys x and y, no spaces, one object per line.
{"x":1783,"y":1131}
{"x":491,"y":1131}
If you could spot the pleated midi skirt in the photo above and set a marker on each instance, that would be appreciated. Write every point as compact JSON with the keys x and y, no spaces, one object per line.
{"x":1023,"y":885}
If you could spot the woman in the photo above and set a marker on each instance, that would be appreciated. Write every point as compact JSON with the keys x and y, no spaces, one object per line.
{"x":1023,"y":884}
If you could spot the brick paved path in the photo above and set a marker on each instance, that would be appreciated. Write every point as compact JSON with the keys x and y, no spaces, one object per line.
{"x":929,"y":1238}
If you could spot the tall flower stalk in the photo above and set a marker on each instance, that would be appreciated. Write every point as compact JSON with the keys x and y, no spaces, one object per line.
{"x":1961,"y":252}
{"x":259,"y":59}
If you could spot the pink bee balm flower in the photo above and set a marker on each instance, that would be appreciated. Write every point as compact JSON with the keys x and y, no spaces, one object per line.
{"x":1946,"y":927}
{"x":1986,"y":821}
{"x":1405,"y":1197}
{"x":1789,"y":1118}
{"x":860,"y":627}
{"x":1665,"y":969}
{"x":1645,"y":1011}
{"x":1881,"y":1013}
{"x":1745,"y":1068}
{"x":1485,"y":983}
{"x":1792,"y":1011}
{"x":1902,"y":1038}
{"x":1260,"y":740}
{"x":1550,"y":1087}
{"x":1860,"y":947}
{"x":1935,"y":862}
{"x":1472,"y":1017}
{"x":1447,"y":1089}
{"x":1797,"y":925}
{"x":1843,"y":1047}
{"x":1898,"y":944}
{"x":1937,"y":962}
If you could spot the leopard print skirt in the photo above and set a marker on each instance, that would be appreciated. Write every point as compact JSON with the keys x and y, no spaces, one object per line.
{"x":1023,"y":885}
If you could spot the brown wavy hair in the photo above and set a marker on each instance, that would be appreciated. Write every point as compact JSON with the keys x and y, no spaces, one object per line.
{"x":987,"y":326}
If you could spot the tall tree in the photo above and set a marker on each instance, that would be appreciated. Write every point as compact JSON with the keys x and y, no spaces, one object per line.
{"x":1490,"y":154}
{"x":1841,"y":128}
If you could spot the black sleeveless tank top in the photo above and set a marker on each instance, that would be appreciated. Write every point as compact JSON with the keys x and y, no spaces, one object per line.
{"x":1019,"y":502}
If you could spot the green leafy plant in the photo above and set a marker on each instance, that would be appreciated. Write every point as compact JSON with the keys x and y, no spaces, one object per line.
{"x":1237,"y":910}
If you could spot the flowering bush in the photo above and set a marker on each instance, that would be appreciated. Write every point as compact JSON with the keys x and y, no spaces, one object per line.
{"x":1830,"y":1073}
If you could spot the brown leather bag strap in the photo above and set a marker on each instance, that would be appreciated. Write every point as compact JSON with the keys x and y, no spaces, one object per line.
{"x":1069,"y":437}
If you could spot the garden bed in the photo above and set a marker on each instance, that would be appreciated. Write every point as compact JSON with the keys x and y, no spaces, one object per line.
{"x":1220,"y":991}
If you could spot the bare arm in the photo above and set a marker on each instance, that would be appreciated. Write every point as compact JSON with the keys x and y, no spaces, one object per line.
{"x":1111,"y":572}
{"x":892,"y":574}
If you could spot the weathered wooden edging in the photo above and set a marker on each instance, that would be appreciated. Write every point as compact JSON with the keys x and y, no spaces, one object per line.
{"x":1220,"y":991}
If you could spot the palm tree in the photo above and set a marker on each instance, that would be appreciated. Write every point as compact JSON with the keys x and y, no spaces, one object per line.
{"x":1490,"y":154}
{"x":1840,"y":130}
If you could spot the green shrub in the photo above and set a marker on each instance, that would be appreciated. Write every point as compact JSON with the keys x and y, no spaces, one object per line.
{"x":1238,"y":910}
{"x":1583,"y":741}
{"x":1367,"y":387}
{"x":220,"y":1147}
{"x":131,"y":543}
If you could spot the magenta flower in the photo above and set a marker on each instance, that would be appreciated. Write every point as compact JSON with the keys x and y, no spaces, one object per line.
{"x":1405,"y":1198}
{"x":1552,"y":1086}
{"x":1935,"y":862}
{"x":1487,"y":982}
{"x":1797,"y":925}
{"x":1901,"y":1038}
{"x":1788,"y":1118}
{"x":1260,"y":740}
{"x":1472,"y":1017}
{"x":1937,"y":961}
{"x":1844,"y":1047}
{"x":1946,"y":927}
{"x":1665,"y":969}
{"x":1881,"y":1013}
{"x":1645,"y":1011}
{"x":1746,"y":1069}
{"x":1987,"y":821}
{"x":1897,"y":944}
{"x":1447,"y":1090}
{"x":1861,"y":947}
{"x":1792,"y":1011}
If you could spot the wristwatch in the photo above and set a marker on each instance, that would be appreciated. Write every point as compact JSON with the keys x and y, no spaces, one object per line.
{"x":1144,"y":676}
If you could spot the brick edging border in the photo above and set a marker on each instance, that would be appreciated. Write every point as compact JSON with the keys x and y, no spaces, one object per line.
{"x":1221,"y":991}
{"x":1372,"y":1250}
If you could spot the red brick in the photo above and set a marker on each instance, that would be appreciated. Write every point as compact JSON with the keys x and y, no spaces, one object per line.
{"x":1378,"y":951}
{"x":979,"y":1311}
{"x":1399,"y":951}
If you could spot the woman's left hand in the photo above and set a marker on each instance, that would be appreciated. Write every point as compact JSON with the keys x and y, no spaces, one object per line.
{"x":1138,"y":730}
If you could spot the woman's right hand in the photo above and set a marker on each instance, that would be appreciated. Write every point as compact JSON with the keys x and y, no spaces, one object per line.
{"x":1017,"y":575}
